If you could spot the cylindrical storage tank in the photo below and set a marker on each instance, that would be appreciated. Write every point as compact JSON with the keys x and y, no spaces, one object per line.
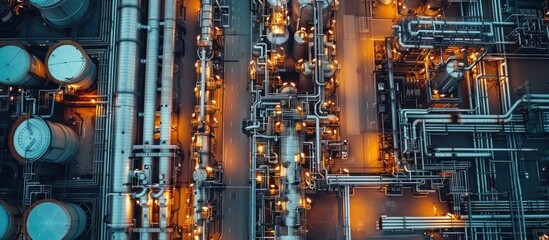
{"x":278,"y":2}
{"x":449,"y":77}
{"x":433,"y":7}
{"x":5,"y":13}
{"x":410,"y":6}
{"x":53,"y":220}
{"x":35,"y":139}
{"x":300,"y":44}
{"x":278,"y":36}
{"x":303,"y":11}
{"x":10,"y":220}
{"x":19,"y":68}
{"x":68,"y":64}
{"x":62,"y":13}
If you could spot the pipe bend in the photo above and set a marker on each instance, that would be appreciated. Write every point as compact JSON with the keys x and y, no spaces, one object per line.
{"x":157,"y":194}
{"x":142,"y":193}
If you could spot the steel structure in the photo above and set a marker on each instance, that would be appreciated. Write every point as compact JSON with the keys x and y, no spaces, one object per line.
{"x":93,"y":96}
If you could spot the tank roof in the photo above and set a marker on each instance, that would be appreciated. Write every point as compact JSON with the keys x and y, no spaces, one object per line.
{"x":44,"y":3}
{"x":66,"y":62}
{"x":14,"y":63}
{"x":32,"y":138}
{"x":48,"y":221}
{"x":4,"y":220}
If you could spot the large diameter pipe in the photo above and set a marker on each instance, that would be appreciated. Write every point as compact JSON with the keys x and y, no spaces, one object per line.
{"x":167,"y":77}
{"x":206,"y":22}
{"x":392,"y":92}
{"x":149,"y":116}
{"x":121,"y":206}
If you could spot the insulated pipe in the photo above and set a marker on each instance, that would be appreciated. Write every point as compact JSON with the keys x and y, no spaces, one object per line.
{"x":392,"y":91}
{"x":165,"y":163}
{"x":150,"y":103}
{"x":404,"y":45}
{"x":347,"y":209}
{"x":290,"y":150}
{"x":121,"y":206}
{"x":205,"y":41}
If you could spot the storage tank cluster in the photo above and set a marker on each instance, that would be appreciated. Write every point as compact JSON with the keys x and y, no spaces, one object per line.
{"x":50,"y":219}
{"x":66,"y":64}
{"x":36,"y":140}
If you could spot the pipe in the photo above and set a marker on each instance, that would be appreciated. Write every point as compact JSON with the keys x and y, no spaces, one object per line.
{"x":205,"y":42}
{"x":150,"y":103}
{"x":347,"y":208}
{"x":167,"y":76}
{"x":121,"y":207}
{"x":396,"y":148}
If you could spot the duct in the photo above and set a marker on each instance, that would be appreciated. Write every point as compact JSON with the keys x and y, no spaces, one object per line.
{"x":121,"y":210}
{"x":167,"y":77}
{"x":150,"y":103}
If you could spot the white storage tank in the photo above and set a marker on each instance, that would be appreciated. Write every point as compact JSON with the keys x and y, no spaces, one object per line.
{"x":68,"y":64}
{"x":19,"y":68}
{"x":306,"y":10}
{"x":35,"y":139}
{"x":300,"y":44}
{"x":10,"y":220}
{"x":54,"y":220}
{"x":62,"y":13}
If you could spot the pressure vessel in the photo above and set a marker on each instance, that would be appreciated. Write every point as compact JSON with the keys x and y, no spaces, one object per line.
{"x":62,"y":13}
{"x":19,"y":68}
{"x":35,"y":139}
{"x":68,"y":64}
{"x":50,"y":219}
{"x":10,"y":220}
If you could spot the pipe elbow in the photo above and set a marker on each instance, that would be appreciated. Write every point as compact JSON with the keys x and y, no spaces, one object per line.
{"x":142,"y":193}
{"x":158,"y":194}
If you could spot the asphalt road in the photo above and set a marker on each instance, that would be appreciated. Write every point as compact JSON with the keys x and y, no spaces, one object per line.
{"x":236,"y":105}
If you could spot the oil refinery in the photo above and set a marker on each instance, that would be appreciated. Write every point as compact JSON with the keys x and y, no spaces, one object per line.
{"x":274,"y":119}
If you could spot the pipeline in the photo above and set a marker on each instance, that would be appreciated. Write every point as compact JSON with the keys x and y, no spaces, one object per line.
{"x":121,"y":206}
{"x":149,"y":115}
{"x":202,"y":138}
{"x":396,"y":143}
{"x":167,"y":76}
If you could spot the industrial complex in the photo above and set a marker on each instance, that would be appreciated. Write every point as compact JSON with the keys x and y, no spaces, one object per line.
{"x":274,"y":119}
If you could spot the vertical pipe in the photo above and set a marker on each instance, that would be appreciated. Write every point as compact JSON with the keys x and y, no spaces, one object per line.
{"x":151,"y":74}
{"x":121,"y":209}
{"x":166,"y":100}
{"x":393,"y":100}
{"x":205,"y":41}
{"x":346,"y":199}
